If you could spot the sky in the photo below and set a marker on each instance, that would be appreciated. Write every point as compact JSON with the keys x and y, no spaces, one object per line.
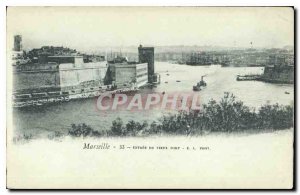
{"x":91,"y":27}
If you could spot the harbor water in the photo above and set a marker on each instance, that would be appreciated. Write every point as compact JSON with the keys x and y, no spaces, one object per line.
{"x":174,"y":78}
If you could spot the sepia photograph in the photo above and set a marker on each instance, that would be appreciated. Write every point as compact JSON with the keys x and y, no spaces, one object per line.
{"x":150,"y":97}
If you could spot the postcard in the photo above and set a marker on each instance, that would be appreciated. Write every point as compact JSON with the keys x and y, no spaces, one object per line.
{"x":150,"y":97}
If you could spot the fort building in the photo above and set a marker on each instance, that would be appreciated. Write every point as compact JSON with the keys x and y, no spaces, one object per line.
{"x":146,"y":55}
{"x":59,"y":73}
{"x":280,"y":69}
{"x":17,"y":52}
{"x":18,"y":43}
{"x":129,"y":74}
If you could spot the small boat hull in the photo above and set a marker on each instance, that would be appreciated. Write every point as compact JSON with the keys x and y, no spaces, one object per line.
{"x":196,"y":88}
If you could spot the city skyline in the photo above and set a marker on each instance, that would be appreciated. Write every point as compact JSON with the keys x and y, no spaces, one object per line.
{"x":93,"y":27}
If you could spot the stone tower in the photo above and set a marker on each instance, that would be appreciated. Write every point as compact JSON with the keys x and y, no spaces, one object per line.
{"x":146,"y":55}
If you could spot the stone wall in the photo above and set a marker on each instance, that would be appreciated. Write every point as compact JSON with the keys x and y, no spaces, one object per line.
{"x":283,"y":74}
{"x":35,"y":80}
{"x":125,"y":75}
{"x":72,"y":76}
{"x":37,"y":76}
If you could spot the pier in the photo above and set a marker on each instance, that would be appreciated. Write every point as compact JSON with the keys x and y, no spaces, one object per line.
{"x":249,"y":77}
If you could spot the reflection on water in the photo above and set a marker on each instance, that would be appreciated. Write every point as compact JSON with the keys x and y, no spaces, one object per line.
{"x":219,"y":80}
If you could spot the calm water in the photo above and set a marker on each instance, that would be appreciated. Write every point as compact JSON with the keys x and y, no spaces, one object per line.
{"x":219,"y":80}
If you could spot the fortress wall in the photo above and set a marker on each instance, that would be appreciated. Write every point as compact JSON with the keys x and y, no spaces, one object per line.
{"x":34,"y":80}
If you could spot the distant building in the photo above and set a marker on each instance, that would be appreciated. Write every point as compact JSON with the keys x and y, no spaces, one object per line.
{"x":118,"y":59}
{"x":93,"y":58}
{"x":146,"y":55}
{"x":40,"y":55}
{"x":17,"y":55}
{"x":17,"y":43}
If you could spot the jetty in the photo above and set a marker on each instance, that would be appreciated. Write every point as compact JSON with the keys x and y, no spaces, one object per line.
{"x":249,"y":77}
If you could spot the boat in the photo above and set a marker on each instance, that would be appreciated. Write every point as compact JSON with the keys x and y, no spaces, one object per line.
{"x":196,"y":88}
{"x":19,"y":104}
{"x":200,"y":84}
{"x":59,"y":99}
{"x":287,"y":92}
{"x":51,"y":100}
{"x":43,"y":101}
{"x":178,"y":81}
